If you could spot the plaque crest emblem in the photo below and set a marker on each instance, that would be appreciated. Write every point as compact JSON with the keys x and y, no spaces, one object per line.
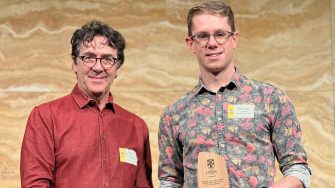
{"x":210,"y":164}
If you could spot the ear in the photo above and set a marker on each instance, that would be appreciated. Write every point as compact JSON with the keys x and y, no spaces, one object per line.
{"x":74,"y":67}
{"x":117,"y":72}
{"x":235,"y":39}
{"x":189,"y":43}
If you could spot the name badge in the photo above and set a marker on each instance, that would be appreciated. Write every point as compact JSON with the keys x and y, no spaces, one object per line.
{"x":241,"y":111}
{"x":128,"y":156}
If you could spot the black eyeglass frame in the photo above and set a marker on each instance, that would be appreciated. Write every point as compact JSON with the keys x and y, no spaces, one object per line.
{"x":104,"y":65}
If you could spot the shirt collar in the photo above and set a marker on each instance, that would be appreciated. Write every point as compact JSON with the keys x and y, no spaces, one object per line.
{"x":82,"y":100}
{"x":234,"y":83}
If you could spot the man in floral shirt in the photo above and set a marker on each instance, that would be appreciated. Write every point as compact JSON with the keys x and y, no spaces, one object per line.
{"x":247,"y":122}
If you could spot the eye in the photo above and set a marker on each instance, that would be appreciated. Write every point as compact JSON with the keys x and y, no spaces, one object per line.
{"x":89,"y":58}
{"x":202,"y":36}
{"x":109,"y":59}
{"x":221,"y":34}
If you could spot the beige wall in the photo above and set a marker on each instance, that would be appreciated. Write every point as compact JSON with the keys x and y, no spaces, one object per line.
{"x":289,"y":43}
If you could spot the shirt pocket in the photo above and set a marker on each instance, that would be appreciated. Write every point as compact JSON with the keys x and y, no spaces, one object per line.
{"x":124,"y":176}
{"x":124,"y":173}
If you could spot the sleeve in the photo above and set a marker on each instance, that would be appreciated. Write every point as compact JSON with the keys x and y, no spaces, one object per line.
{"x":300,"y":172}
{"x":170,"y":167}
{"x":37,"y":161}
{"x":286,"y":135}
{"x":144,"y":172}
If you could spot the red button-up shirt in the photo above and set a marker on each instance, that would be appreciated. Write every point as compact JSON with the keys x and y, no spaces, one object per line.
{"x":70,"y":143}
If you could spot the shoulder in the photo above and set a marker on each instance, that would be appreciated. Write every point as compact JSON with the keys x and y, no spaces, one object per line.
{"x":180,"y":104}
{"x":263,"y":88}
{"x":55,"y":102}
{"x":54,"y":105}
{"x":273,"y":95}
{"x":124,"y":113}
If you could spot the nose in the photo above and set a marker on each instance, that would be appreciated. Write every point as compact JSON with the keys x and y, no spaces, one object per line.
{"x":212,"y":41}
{"x":98,"y":66}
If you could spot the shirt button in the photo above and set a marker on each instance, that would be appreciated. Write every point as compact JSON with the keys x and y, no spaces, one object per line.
{"x":106,"y":184}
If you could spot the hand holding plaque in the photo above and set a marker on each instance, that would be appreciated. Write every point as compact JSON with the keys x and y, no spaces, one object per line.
{"x":212,"y":171}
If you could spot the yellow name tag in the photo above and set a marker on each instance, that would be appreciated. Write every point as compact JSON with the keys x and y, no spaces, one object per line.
{"x":241,"y":111}
{"x":128,"y":156}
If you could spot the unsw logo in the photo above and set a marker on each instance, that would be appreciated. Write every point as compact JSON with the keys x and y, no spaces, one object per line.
{"x":211,"y":167}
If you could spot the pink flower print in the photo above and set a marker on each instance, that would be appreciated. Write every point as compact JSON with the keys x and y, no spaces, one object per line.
{"x":237,"y":140}
{"x":229,"y":136}
{"x":289,"y":122}
{"x":267,"y":90}
{"x":253,"y":181}
{"x":232,"y":169}
{"x":268,"y":100}
{"x":285,"y":111}
{"x":300,"y":159}
{"x":250,"y":147}
{"x":247,"y":89}
{"x":169,"y":151}
{"x":261,"y":159}
{"x":237,"y":173}
{"x":246,"y":125}
{"x":198,"y":110}
{"x":220,"y":127}
{"x":245,"y":97}
{"x":259,"y":127}
{"x":192,"y":133}
{"x":191,"y":123}
{"x":258,"y":99}
{"x":167,"y":119}
{"x":225,"y":106}
{"x":210,"y":142}
{"x":298,"y":134}
{"x":207,"y":111}
{"x":200,"y":139}
{"x":175,"y":129}
{"x":250,"y":158}
{"x":289,"y":143}
{"x":203,"y":111}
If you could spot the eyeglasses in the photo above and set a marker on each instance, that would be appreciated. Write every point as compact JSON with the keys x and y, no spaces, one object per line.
{"x":106,"y":62}
{"x":203,"y":38}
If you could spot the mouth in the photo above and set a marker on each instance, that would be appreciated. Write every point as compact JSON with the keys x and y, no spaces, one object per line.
{"x":213,"y":54}
{"x":97,"y":77}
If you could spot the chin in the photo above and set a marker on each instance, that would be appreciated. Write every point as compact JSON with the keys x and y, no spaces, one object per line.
{"x":97,"y":90}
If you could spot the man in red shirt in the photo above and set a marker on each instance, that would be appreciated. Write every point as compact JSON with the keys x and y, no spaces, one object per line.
{"x":84,"y":139}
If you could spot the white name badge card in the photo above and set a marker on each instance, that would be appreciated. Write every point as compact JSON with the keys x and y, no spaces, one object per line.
{"x":241,"y":111}
{"x":128,"y":156}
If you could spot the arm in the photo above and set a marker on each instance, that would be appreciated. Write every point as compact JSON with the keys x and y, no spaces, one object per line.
{"x":295,"y":176}
{"x":37,"y":153}
{"x":288,"y":182}
{"x":288,"y":148}
{"x":144,"y":171}
{"x":170,"y":167}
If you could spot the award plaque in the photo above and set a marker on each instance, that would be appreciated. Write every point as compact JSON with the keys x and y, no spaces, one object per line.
{"x":212,"y":171}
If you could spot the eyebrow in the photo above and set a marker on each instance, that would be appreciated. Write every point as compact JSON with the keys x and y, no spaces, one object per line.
{"x":94,"y":55}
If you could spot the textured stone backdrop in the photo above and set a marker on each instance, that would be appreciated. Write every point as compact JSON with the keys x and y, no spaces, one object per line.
{"x":289,"y":43}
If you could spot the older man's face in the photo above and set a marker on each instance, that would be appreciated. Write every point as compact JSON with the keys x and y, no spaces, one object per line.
{"x":95,"y":81}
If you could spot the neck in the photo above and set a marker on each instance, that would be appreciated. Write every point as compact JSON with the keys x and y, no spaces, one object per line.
{"x":214,"y":81}
{"x":100,"y":99}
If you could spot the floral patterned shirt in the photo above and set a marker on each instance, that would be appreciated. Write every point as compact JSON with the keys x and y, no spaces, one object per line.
{"x":248,"y":122}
